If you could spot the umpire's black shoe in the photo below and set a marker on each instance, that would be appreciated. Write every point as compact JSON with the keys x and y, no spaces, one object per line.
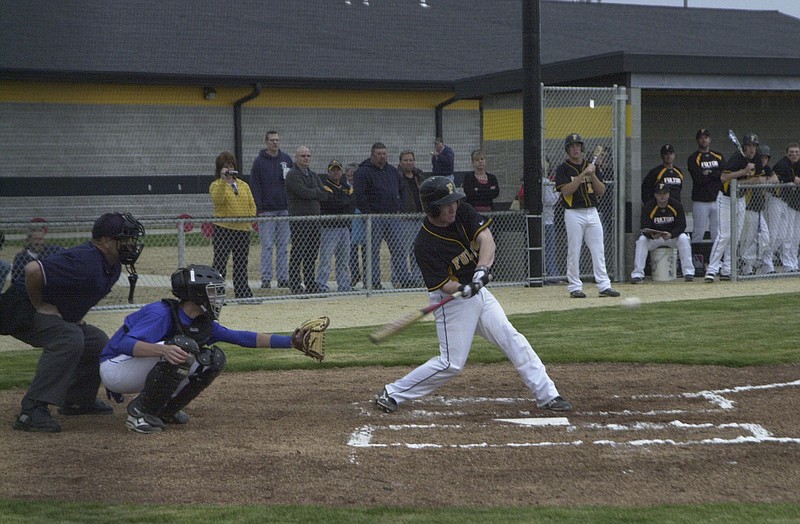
{"x":37,"y":418}
{"x":98,"y":407}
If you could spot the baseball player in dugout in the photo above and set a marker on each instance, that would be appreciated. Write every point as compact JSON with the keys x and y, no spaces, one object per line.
{"x":580,"y":186}
{"x":455,"y":251}
{"x":746,"y":167}
{"x":665,"y":173}
{"x":663,"y":224}
{"x":166,"y":352}
{"x":705,"y":167}
{"x":45,"y":308}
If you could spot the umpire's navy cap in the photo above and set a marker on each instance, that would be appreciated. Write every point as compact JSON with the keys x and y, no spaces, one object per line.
{"x":108,"y":225}
{"x":701,"y":132}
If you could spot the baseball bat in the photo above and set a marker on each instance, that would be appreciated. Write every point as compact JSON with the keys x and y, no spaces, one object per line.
{"x":598,"y":150}
{"x":735,"y":141}
{"x":396,"y":326}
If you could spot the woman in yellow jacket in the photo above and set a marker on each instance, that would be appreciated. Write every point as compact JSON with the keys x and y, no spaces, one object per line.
{"x":232,"y":198}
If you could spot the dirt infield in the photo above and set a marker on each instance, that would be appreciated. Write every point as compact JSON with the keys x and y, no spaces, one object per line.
{"x":641,"y":434}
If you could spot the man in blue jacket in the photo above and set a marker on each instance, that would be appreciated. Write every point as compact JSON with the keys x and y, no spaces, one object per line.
{"x":267,"y":182}
{"x":377,"y":189}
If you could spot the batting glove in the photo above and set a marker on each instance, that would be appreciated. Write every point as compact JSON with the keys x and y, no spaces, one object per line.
{"x":470,"y":290}
{"x":481,"y":276}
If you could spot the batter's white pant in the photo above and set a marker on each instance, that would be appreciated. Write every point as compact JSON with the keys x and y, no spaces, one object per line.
{"x":584,"y":225}
{"x":456,"y":324}
{"x":126,"y":374}
{"x":721,"y":251}
{"x":754,"y":246}
{"x":644,"y":245}
{"x":784,"y":227}
{"x":705,"y":217}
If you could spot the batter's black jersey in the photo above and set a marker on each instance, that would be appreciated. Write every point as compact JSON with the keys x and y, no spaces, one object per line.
{"x":786,"y":171}
{"x":670,"y":218}
{"x":705,"y":170}
{"x":672,"y":176}
{"x":736,"y":163}
{"x":756,"y":197}
{"x":450,"y":253}
{"x":584,"y":197}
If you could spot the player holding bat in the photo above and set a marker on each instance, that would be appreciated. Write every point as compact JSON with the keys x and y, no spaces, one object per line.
{"x":455,"y":251}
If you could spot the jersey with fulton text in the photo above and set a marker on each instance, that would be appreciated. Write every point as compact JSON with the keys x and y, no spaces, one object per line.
{"x":584,"y":197}
{"x":736,"y":163}
{"x":670,"y":218}
{"x":450,"y":253}
{"x":705,"y":169}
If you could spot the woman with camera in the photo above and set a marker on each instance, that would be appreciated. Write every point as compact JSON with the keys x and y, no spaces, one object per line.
{"x":232,"y":198}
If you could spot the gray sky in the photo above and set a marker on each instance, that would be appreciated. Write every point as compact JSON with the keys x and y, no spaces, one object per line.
{"x":789,"y":7}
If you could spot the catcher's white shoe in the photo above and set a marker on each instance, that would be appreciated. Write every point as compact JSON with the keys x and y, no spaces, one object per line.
{"x":385,"y":402}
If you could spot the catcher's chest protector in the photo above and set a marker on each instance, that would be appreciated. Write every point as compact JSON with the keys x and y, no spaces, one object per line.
{"x":199,"y":329}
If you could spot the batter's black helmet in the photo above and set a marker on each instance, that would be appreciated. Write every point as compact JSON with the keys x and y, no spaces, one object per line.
{"x":202,"y":285}
{"x":437,"y":191}
{"x":572,"y":138}
{"x":750,"y":138}
{"x":765,"y":150}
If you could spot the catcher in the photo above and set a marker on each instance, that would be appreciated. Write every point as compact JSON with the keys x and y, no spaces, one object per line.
{"x":166,"y":352}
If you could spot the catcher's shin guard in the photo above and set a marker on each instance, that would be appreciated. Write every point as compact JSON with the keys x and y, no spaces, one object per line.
{"x":198,"y":381}
{"x":160,"y":384}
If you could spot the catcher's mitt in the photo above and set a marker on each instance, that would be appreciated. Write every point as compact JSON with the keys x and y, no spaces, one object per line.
{"x":309,"y":338}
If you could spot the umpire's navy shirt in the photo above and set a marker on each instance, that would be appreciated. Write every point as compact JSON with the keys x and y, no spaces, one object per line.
{"x":75,"y":280}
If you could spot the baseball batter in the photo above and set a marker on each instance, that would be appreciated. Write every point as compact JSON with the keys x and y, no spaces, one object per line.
{"x":580,"y":186}
{"x":455,"y":249}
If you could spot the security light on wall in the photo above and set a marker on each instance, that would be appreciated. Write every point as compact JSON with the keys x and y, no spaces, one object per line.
{"x":209,"y":93}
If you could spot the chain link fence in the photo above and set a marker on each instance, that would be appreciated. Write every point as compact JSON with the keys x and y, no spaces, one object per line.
{"x":325,"y":255}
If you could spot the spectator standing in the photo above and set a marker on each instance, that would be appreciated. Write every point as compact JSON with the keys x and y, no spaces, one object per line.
{"x":49,"y":302}
{"x":35,"y":249}
{"x":5,"y":267}
{"x":665,"y":173}
{"x":663,"y":224}
{"x":232,"y":199}
{"x":305,"y":193}
{"x":410,"y":180}
{"x":335,"y":235}
{"x":705,"y":167}
{"x":442,"y":159}
{"x":377,"y":189}
{"x":358,"y":234}
{"x":756,"y":246}
{"x":784,"y":212}
{"x":268,"y":182}
{"x":748,"y":169}
{"x":580,"y":188}
{"x":480,"y":186}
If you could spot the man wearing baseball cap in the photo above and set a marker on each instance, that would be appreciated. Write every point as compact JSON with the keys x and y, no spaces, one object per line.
{"x":663,"y":224}
{"x":335,"y":232}
{"x":705,"y":168}
{"x":50,"y":299}
{"x":665,"y":173}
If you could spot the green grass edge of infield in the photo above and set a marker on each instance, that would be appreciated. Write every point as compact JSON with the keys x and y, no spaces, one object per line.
{"x":67,"y":512}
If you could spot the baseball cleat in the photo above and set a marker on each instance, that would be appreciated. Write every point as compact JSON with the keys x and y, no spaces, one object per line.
{"x":177,"y":418}
{"x":688,"y":278}
{"x":709,"y":278}
{"x":145,"y":424}
{"x":97,"y":407}
{"x":577,"y":294}
{"x":637,"y":280}
{"x":609,"y":292}
{"x":723,"y":278}
{"x":385,"y":402}
{"x":558,"y":404}
{"x":37,"y":418}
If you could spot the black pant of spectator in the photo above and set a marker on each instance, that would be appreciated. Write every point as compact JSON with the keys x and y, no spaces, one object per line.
{"x":233,"y":241}
{"x":305,"y":238}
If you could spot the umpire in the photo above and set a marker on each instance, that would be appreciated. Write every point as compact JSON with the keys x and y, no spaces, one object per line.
{"x":45,"y":308}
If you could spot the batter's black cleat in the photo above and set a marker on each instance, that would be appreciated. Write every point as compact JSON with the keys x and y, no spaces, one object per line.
{"x":558,"y":404}
{"x":97,"y":407}
{"x":385,"y":402}
{"x":609,"y":292}
{"x":577,"y":294}
{"x":37,"y":418}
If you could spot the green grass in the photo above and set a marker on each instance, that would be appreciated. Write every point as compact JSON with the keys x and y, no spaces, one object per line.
{"x":743,"y":331}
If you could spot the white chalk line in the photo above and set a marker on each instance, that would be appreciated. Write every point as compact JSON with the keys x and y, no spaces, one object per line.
{"x":362,"y":437}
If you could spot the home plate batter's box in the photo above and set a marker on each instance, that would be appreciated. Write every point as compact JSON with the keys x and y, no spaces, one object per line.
{"x":642,"y":420}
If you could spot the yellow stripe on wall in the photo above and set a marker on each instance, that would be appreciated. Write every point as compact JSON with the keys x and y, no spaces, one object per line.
{"x":67,"y":93}
{"x":506,"y":124}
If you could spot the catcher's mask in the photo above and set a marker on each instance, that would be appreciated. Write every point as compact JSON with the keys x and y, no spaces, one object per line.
{"x":202,"y":285}
{"x":437,"y":191}
{"x":126,"y":230}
